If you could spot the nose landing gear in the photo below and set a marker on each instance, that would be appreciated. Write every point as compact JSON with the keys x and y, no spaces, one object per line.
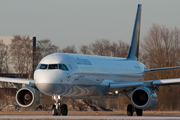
{"x":58,"y":108}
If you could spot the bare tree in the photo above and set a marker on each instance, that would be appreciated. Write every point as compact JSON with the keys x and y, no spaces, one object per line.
{"x":69,"y":49}
{"x":101,"y":47}
{"x":84,"y":49}
{"x":120,"y":50}
{"x":21,"y":54}
{"x":4,"y":58}
{"x":161,"y":48}
{"x":44,"y":47}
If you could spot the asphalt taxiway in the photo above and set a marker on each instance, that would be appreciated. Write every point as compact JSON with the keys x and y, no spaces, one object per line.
{"x":157,"y":117}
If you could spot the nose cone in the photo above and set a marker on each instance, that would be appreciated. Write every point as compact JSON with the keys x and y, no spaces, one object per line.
{"x":47,"y":80}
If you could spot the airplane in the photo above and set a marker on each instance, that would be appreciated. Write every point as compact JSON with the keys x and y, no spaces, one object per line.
{"x":62,"y":75}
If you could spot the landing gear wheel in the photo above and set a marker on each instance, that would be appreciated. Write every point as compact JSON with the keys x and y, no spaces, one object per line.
{"x":64,"y":110}
{"x":59,"y":111}
{"x":130,"y":110}
{"x":139,"y":112}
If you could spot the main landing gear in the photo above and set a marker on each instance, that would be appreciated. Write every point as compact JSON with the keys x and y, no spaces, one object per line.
{"x":131,"y":109}
{"x":58,"y":108}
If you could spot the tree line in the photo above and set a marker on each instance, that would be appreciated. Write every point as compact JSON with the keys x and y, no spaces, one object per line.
{"x":160,"y":47}
{"x":19,"y":54}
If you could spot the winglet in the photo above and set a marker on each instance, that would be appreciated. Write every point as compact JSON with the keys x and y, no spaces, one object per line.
{"x":134,"y":48}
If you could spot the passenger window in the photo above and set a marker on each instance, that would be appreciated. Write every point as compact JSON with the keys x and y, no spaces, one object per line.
{"x":43,"y":66}
{"x":63,"y":67}
{"x":53,"y":66}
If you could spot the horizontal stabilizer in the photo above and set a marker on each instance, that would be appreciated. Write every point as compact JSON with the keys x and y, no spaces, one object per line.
{"x":157,"y":69}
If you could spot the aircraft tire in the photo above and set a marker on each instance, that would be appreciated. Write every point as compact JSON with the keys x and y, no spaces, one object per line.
{"x":64,"y":110}
{"x":130,"y":110}
{"x":139,"y":112}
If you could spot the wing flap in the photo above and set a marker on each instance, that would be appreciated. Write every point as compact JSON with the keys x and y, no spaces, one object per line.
{"x":16,"y":80}
{"x":125,"y":84}
{"x":166,"y":81}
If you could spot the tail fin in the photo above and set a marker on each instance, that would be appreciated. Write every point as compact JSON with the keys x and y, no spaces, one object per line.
{"x":134,"y":48}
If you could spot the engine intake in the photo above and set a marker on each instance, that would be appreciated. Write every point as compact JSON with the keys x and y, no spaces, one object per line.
{"x":144,"y":98}
{"x":28,"y":97}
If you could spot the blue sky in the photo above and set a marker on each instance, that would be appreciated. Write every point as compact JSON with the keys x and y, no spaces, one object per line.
{"x":81,"y":22}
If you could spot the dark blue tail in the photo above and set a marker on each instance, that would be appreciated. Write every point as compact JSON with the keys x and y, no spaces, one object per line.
{"x":134,"y":48}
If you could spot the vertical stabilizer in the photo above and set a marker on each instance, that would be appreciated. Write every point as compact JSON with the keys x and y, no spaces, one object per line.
{"x":134,"y":48}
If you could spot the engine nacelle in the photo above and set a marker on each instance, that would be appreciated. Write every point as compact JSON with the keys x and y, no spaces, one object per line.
{"x":144,"y":98}
{"x":28,"y":97}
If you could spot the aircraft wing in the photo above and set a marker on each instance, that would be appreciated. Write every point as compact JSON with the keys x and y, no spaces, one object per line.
{"x":16,"y":80}
{"x":151,"y":83}
{"x":157,"y":69}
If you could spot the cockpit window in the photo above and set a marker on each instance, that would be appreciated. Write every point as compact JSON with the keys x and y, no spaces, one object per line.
{"x":53,"y":66}
{"x":63,"y":67}
{"x":38,"y":66}
{"x":43,"y":66}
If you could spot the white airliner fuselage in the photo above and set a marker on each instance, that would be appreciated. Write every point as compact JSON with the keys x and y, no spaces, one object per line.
{"x":86,"y":76}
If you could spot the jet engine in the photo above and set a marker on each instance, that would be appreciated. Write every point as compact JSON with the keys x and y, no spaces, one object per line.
{"x":144,"y":98}
{"x":28,"y":97}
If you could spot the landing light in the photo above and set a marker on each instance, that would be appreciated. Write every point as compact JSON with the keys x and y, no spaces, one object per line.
{"x":116,"y":92}
{"x":110,"y":93}
{"x":59,"y":97}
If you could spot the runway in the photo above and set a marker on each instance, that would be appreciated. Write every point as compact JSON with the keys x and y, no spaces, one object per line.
{"x":109,"y":117}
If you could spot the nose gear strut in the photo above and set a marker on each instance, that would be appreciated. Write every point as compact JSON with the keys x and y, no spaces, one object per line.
{"x":58,"y":108}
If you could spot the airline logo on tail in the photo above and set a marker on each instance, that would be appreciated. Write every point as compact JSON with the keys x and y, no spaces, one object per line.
{"x":138,"y":35}
{"x":138,"y":30}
